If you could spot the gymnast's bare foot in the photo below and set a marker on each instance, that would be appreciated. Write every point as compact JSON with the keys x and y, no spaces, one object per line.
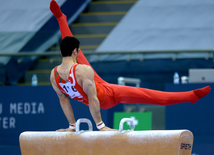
{"x":202,"y":92}
{"x":55,"y":9}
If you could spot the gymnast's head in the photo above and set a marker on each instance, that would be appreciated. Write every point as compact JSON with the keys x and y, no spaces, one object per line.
{"x":69,"y":45}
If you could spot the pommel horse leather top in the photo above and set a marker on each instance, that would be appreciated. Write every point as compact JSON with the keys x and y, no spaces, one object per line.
{"x":154,"y":142}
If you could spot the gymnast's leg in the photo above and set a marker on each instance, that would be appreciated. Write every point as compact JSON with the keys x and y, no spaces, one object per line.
{"x":65,"y":31}
{"x":134,"y":95}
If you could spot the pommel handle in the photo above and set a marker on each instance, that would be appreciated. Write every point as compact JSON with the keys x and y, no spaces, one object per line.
{"x":83,"y":120}
{"x":121,"y":131}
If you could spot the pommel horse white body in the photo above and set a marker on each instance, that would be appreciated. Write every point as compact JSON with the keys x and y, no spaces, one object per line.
{"x":155,"y":142}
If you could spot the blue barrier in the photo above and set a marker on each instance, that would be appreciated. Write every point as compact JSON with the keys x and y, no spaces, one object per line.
{"x":198,"y":117}
{"x":27,"y":108}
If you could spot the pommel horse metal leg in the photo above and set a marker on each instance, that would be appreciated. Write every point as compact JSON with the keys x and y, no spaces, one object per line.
{"x":159,"y":142}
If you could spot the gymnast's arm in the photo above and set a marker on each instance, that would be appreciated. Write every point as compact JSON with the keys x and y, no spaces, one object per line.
{"x":86,"y":74}
{"x":64,"y":102}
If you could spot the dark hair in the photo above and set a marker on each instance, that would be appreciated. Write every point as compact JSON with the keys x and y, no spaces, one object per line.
{"x":68,"y":44}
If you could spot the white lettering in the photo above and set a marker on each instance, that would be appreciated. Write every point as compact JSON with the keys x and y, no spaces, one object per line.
{"x":20,"y":105}
{"x":1,"y":108}
{"x":27,"y":108}
{"x":12,"y":108}
{"x":41,"y":108}
{"x":5,"y":122}
{"x":12,"y":122}
{"x":33,"y":108}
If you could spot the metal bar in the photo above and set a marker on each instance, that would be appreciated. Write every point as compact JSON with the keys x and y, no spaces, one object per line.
{"x":29,"y":53}
{"x":22,"y":54}
{"x":123,"y":81}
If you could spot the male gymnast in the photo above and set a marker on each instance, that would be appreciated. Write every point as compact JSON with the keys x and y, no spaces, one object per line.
{"x":75,"y":78}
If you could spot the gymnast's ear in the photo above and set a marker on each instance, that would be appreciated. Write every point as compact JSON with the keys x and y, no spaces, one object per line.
{"x":75,"y":51}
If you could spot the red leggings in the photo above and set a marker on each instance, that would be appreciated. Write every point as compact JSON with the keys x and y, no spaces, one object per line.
{"x":115,"y":94}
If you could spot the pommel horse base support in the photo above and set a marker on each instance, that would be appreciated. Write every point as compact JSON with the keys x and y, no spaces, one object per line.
{"x":155,"y":142}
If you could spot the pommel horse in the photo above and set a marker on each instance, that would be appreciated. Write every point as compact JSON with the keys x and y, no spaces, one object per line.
{"x":122,"y":142}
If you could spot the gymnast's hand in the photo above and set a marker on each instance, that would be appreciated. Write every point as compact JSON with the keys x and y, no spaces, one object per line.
{"x":66,"y":130}
{"x":107,"y":129}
